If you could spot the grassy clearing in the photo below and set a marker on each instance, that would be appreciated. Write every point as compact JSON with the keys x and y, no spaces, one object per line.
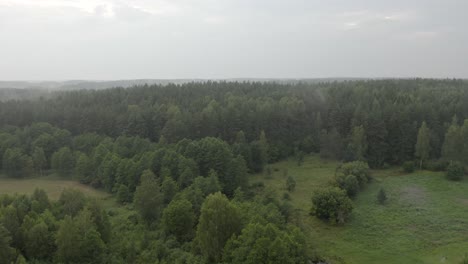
{"x":52,"y":185}
{"x":425,"y":219}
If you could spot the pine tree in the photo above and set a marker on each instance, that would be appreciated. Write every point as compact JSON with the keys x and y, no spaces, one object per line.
{"x":381,"y":196}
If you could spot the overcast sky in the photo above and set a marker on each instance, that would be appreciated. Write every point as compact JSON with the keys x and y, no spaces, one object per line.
{"x":128,"y":39}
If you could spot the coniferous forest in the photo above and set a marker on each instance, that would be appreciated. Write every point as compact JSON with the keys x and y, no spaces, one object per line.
{"x":180,"y":157}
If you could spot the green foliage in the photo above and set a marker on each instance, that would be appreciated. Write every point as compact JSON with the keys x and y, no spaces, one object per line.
{"x":436,"y":165}
{"x":39,"y":242}
{"x":40,"y":201}
{"x":7,"y":253}
{"x":219,"y":220}
{"x":225,"y":126}
{"x":123,"y":194}
{"x":357,"y":168}
{"x":100,"y":219}
{"x":381,"y":196}
{"x":357,"y":146}
{"x":207,"y":185}
{"x":377,"y":134}
{"x":263,"y":149}
{"x":452,"y":147}
{"x":300,"y":157}
{"x":331,"y":144}
{"x":72,"y":201}
{"x":260,"y":243}
{"x":148,"y":198}
{"x":39,"y":159}
{"x":290,"y":184}
{"x":408,"y":166}
{"x":16,"y":163}
{"x":349,"y":183}
{"x":455,"y":171}
{"x":179,"y":219}
{"x":331,"y":204}
{"x":423,"y":146}
{"x":169,"y":188}
{"x":63,"y":161}
{"x":84,"y":167}
{"x":464,"y":260}
{"x":78,"y":241}
{"x":12,"y":222}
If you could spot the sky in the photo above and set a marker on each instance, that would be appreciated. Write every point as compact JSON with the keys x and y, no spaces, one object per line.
{"x":216,"y":39}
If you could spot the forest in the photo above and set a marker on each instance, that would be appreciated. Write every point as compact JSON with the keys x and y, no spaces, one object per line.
{"x":180,"y":159}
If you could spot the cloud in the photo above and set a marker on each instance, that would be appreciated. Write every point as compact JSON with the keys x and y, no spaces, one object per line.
{"x":369,"y":18}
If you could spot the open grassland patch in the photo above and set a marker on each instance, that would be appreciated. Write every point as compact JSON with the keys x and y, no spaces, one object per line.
{"x":52,"y":185}
{"x":425,"y":219}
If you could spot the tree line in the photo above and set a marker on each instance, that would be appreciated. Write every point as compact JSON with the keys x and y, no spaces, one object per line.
{"x":179,"y":157}
{"x":331,"y":118}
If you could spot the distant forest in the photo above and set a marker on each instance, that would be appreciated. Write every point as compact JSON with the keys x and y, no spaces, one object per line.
{"x":296,"y":117}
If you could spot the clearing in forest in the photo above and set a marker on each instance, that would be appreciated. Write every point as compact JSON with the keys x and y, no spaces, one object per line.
{"x":425,"y":219}
{"x":52,"y":185}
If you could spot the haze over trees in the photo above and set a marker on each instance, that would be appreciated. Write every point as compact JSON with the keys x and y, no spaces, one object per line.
{"x":179,"y":159}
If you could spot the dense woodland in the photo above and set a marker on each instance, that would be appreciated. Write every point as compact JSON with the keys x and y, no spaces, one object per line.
{"x":179,"y":156}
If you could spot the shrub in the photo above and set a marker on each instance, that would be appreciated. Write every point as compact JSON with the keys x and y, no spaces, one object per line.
{"x":381,"y":196}
{"x":357,"y":168}
{"x":332,"y":204}
{"x":408,"y":166}
{"x":436,"y":165}
{"x":455,"y":171}
{"x":290,"y":184}
{"x":349,"y":183}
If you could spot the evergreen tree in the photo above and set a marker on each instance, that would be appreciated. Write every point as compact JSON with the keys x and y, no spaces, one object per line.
{"x":290,"y":184}
{"x":381,"y":196}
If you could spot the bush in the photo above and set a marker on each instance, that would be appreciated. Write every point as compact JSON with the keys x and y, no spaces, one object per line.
{"x":408,"y":166}
{"x":349,"y":183}
{"x":357,"y":168}
{"x":455,"y":171}
{"x":381,"y":196}
{"x":332,"y":204}
{"x":436,"y":165}
{"x":290,"y":184}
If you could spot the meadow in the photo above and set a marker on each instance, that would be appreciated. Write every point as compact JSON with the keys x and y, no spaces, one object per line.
{"x":424,"y":220}
{"x":53,"y":185}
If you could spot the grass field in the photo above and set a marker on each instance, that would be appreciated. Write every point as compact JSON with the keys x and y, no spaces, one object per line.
{"x":52,"y":185}
{"x":425,"y":219}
